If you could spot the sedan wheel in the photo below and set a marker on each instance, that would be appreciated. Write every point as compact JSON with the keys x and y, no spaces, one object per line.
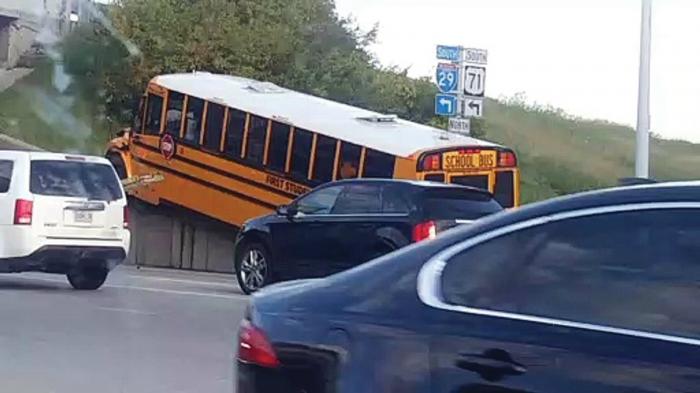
{"x":252,"y":268}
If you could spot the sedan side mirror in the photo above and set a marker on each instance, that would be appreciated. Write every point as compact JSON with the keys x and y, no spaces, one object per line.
{"x":288,"y":211}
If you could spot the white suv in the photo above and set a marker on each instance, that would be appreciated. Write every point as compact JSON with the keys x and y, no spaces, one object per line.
{"x":62,"y":214}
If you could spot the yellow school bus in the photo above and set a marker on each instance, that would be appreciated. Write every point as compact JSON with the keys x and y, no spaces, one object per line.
{"x":233,"y":148}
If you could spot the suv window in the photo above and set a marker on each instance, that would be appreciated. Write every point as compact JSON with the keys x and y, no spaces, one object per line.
{"x":5,"y":175}
{"x":393,"y":200}
{"x":319,"y":202}
{"x":358,"y":199}
{"x":641,"y":272}
{"x":74,"y":179}
{"x":450,"y":203}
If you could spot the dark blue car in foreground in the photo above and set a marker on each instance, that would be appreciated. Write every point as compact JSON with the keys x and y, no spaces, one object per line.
{"x":596,"y":292}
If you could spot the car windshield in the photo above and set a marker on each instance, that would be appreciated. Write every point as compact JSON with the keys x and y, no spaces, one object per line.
{"x":454,"y":203}
{"x":74,"y":179}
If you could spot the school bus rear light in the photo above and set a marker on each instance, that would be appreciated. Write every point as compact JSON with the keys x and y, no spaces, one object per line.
{"x":431,"y":162}
{"x":506,"y":159}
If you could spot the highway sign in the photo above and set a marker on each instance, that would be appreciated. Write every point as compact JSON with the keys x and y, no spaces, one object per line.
{"x":459,"y":125}
{"x":473,"y":107}
{"x":451,"y":53}
{"x":445,"y":104}
{"x":475,"y":56}
{"x":474,"y":81}
{"x":447,"y":77}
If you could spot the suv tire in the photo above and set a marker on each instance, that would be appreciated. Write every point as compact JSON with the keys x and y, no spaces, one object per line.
{"x":87,"y":278}
{"x":253,"y":267}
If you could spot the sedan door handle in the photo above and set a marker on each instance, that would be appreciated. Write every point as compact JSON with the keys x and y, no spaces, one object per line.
{"x":492,"y":365}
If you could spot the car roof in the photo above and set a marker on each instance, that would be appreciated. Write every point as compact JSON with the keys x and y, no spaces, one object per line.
{"x":687,"y":191}
{"x":42,"y":155}
{"x":381,"y":132}
{"x":413,"y":183}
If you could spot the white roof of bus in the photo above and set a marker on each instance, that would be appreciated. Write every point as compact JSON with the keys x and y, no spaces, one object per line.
{"x":399,"y":137}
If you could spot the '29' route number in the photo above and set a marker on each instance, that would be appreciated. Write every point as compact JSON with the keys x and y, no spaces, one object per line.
{"x":447,"y":77}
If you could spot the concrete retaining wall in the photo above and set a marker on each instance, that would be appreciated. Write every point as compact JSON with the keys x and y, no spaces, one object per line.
{"x":167,"y":237}
{"x":22,"y":35}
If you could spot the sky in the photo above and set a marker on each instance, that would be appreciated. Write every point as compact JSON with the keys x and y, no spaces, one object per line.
{"x":578,"y":55}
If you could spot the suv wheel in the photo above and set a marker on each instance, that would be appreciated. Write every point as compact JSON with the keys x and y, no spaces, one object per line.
{"x":87,"y":278}
{"x":253,"y":267}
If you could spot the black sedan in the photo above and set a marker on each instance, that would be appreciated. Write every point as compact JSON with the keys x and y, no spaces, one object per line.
{"x":596,"y":292}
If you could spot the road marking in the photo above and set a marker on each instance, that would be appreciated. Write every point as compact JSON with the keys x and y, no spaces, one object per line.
{"x":145,"y":289}
{"x":127,"y":310}
{"x":183,"y":281}
{"x":177,"y":292}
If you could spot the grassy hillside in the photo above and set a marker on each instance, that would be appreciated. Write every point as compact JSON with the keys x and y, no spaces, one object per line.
{"x":557,"y":154}
{"x":560,"y":155}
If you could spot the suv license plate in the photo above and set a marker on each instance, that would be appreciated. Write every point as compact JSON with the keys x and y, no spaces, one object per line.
{"x":83,"y":217}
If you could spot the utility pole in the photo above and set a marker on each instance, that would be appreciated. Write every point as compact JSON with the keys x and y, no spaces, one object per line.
{"x":643,"y":119}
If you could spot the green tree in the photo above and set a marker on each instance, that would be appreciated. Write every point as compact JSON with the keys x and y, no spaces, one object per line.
{"x":300,"y":44}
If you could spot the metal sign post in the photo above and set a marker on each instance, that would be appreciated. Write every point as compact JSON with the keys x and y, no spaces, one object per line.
{"x":641,"y":167}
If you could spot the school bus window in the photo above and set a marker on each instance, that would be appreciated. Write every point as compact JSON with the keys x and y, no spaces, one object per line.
{"x":325,"y":158}
{"x":154,"y":112}
{"x":257,"y":132}
{"x":173,"y":116}
{"x":301,"y":153}
{"x":234,"y":133}
{"x":277,"y":151}
{"x":193,"y":121}
{"x":137,"y":125}
{"x":214,"y":126}
{"x":378,"y":164}
{"x":349,"y":162}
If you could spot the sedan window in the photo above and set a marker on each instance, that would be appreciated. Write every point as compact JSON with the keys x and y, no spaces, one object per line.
{"x":636,"y":270}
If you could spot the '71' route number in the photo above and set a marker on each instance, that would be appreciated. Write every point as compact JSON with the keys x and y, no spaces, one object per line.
{"x":474,"y":81}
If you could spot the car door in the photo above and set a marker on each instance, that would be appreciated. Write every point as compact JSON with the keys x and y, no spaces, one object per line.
{"x":302,"y":242}
{"x":356,"y":216}
{"x":604,"y":302}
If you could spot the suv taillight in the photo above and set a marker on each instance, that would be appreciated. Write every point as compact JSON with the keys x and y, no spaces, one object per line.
{"x":253,"y":346}
{"x":126,"y":217}
{"x":23,"y":212}
{"x":424,"y":230}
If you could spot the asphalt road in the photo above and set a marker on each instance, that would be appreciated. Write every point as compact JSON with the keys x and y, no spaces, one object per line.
{"x":144,"y":331}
